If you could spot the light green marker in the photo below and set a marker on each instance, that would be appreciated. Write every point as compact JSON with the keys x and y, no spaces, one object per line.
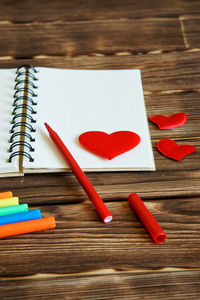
{"x":13,"y":209}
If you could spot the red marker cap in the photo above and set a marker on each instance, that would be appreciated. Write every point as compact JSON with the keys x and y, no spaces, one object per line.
{"x":158,"y":235}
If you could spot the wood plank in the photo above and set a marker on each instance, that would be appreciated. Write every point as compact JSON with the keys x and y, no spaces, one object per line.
{"x":165,"y":73}
{"x":63,"y":188}
{"x":83,"y":258}
{"x":192,"y":32}
{"x":47,"y":11}
{"x":82,"y":243}
{"x":78,"y":38}
{"x":164,"y":284}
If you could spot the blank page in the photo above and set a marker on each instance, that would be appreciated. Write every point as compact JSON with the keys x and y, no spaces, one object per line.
{"x":7,"y":82}
{"x":75,"y":101}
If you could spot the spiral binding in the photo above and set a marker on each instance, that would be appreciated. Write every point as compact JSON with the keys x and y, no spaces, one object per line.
{"x":23,"y":112}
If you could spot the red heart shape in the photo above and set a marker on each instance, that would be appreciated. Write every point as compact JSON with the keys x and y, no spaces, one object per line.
{"x":170,"y":149}
{"x":170,"y":122}
{"x":109,"y":145}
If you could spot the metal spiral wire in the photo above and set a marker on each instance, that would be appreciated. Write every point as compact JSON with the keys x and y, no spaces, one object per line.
{"x":23,"y":113}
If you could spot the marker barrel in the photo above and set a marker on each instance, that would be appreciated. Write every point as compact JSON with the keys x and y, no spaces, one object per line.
{"x":13,"y":209}
{"x":9,"y":201}
{"x":20,"y":217}
{"x":158,"y":235}
{"x":81,"y":177}
{"x":27,"y":227}
{"x":6,"y":195}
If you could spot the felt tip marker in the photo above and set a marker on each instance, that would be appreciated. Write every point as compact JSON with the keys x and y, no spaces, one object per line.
{"x":9,"y":201}
{"x":27,"y":227}
{"x":158,"y":235}
{"x":21,"y":217}
{"x":80,"y":175}
{"x":6,"y":195}
{"x":8,"y":210}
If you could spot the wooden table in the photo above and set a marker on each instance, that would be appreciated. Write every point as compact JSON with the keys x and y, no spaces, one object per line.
{"x":83,"y":258}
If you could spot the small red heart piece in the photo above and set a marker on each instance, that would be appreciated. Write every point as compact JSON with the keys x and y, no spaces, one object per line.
{"x":109,"y":145}
{"x":173,"y":121}
{"x":170,"y":149}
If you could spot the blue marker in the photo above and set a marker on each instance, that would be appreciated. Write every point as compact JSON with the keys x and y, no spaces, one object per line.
{"x":20,"y":217}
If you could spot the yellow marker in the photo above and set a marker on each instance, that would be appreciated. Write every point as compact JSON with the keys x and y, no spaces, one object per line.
{"x":9,"y":201}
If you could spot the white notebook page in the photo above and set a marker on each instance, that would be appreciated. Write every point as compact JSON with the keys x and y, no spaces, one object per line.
{"x":7,"y":82}
{"x":75,"y":101}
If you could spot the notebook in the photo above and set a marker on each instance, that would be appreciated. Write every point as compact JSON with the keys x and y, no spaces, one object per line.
{"x":72,"y":102}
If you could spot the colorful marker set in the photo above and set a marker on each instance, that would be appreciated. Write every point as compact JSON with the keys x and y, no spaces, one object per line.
{"x":16,"y":219}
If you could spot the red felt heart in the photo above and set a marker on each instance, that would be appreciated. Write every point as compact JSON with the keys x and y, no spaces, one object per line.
{"x":109,"y":145}
{"x":170,"y":149}
{"x":170,"y":122}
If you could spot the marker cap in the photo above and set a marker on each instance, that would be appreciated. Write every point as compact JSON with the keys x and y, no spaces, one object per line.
{"x":158,"y":235}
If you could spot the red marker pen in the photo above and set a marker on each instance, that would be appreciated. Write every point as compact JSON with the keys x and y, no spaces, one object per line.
{"x":80,"y":175}
{"x":158,"y":235}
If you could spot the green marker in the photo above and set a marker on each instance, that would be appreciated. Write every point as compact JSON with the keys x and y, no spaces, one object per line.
{"x":8,"y":210}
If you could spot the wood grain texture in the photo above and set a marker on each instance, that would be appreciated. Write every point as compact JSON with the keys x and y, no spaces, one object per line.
{"x":106,"y":37}
{"x":61,"y":188}
{"x":81,"y":243}
{"x":163,"y":284}
{"x":165,"y":73}
{"x":192,"y":32}
{"x":83,"y":258}
{"x":48,"y":11}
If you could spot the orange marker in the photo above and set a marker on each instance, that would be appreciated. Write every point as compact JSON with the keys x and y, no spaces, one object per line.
{"x":6,"y":195}
{"x":27,"y":226}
